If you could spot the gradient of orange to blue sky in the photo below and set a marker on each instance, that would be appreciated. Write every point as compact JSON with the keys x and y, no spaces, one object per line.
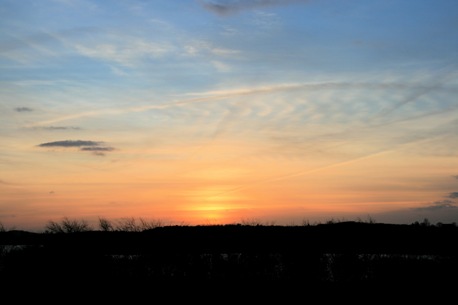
{"x":219,"y":111}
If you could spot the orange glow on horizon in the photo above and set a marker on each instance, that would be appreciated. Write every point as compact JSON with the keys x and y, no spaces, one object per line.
{"x":212,"y":204}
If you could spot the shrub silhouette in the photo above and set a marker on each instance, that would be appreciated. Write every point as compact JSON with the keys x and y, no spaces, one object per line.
{"x":67,"y":226}
{"x":132,"y":225}
{"x":126,"y":224}
{"x":105,"y":225}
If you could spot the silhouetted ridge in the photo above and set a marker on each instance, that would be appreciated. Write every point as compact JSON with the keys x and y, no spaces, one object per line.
{"x":346,"y":252}
{"x":356,"y":237}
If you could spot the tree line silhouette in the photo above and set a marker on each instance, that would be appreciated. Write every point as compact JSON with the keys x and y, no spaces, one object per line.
{"x":139,"y":252}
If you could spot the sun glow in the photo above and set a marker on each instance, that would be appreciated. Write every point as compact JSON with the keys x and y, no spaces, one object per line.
{"x":214,"y":204}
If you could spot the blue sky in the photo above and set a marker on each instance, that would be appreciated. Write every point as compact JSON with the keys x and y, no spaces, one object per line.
{"x":349,"y":104}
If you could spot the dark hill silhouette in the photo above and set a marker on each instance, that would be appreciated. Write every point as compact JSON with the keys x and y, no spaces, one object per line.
{"x":341,"y":253}
{"x":342,"y":237}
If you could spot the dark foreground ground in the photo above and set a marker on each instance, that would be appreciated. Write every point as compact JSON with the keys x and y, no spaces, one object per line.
{"x":361,"y":261}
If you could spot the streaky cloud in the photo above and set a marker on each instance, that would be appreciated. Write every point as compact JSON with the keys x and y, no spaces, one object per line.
{"x":440,"y":79}
{"x":70,"y":143}
{"x":338,"y":164}
{"x":215,"y":95}
{"x":7,"y":183}
{"x":41,"y":38}
{"x":228,"y":7}
{"x":453,"y":195}
{"x":439,"y":205}
{"x":61,"y":128}
{"x":23,"y":109}
{"x":97,"y":149}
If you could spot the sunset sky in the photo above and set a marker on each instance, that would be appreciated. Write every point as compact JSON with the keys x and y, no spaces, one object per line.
{"x":221,"y":111}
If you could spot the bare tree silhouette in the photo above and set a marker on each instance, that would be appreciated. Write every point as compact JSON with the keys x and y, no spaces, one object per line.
{"x":106,"y":225}
{"x":67,"y":226}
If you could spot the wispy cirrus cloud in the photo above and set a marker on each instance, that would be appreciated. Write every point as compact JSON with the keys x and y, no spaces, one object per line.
{"x":128,"y":52}
{"x":53,"y":128}
{"x":351,"y":95}
{"x":205,"y":49}
{"x":126,"y":55}
{"x":96,"y":147}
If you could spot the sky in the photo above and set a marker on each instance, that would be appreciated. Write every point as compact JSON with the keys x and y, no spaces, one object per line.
{"x":226,"y":111}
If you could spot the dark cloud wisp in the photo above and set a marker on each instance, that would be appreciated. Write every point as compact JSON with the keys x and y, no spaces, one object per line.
{"x":97,"y":150}
{"x":96,"y":147}
{"x":227,"y":7}
{"x":439,"y":205}
{"x":70,"y":143}
{"x":23,"y":109}
{"x":450,"y":203}
{"x":453,"y":195}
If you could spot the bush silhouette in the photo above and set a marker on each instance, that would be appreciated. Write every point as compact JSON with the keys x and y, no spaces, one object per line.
{"x":67,"y":226}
